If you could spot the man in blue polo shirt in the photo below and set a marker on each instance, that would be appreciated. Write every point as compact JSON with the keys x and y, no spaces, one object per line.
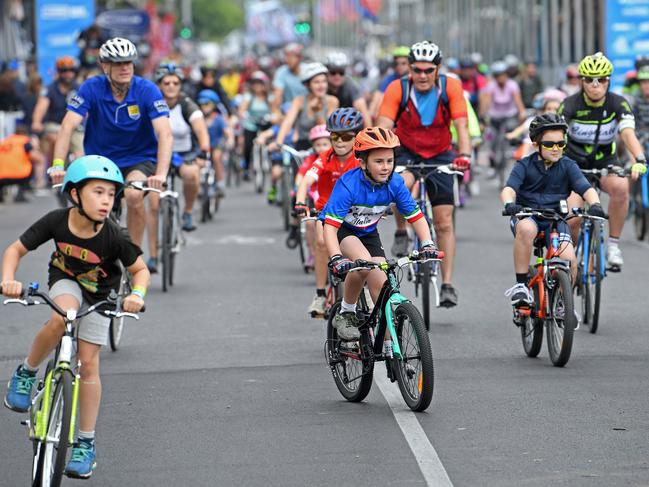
{"x":128,"y":122}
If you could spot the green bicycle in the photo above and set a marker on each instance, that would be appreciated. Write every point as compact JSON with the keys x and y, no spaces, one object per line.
{"x":53,"y":411}
{"x":409,"y":362}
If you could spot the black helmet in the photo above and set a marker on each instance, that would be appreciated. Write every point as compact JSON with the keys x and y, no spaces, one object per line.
{"x":548,"y":121}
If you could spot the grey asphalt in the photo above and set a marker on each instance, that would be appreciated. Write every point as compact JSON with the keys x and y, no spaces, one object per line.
{"x":223,"y":381}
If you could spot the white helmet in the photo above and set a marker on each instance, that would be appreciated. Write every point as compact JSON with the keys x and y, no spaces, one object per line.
{"x":425,"y":51}
{"x":311,"y":70}
{"x":498,"y":67}
{"x":337,"y":60}
{"x":117,"y":50}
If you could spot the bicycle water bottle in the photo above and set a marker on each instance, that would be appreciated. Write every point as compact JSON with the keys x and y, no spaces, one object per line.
{"x":387,"y":349}
{"x":554,"y":239}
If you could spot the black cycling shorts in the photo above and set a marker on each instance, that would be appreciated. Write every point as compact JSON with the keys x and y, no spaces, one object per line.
{"x":439,"y":187}
{"x":372,"y":241}
{"x":147,"y":167}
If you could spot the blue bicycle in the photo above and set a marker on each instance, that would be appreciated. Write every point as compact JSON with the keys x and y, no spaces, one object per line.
{"x":640,"y":203}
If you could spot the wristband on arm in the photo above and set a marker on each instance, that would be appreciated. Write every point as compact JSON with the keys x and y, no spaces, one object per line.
{"x":139,"y":291}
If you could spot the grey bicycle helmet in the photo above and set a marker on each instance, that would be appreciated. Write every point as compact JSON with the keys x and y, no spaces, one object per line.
{"x":117,"y":50}
{"x":167,"y":69}
{"x":312,"y":70}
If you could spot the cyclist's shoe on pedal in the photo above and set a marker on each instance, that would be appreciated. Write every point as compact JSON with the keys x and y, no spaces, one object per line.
{"x":152,"y":265}
{"x":82,"y":462}
{"x":614,"y":260}
{"x":447,"y":296}
{"x":292,"y":240}
{"x":520,"y":296}
{"x":19,"y":393}
{"x":271,"y":196}
{"x":317,"y":306}
{"x":346,"y":324}
{"x":188,"y":222}
{"x":400,"y":245}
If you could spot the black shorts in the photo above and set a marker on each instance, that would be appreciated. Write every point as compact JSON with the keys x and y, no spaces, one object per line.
{"x":440,"y":187}
{"x":372,"y":241}
{"x":147,"y":167}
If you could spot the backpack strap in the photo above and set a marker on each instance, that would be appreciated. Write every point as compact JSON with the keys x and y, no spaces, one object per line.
{"x":405,"y":94}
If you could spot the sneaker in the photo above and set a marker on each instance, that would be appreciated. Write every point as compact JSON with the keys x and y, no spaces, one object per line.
{"x":520,"y":296}
{"x":292,"y":240}
{"x":82,"y":461}
{"x":271,"y":196}
{"x":317,"y":306}
{"x":347,"y":326}
{"x":19,"y":390}
{"x":447,"y":296}
{"x":188,"y":222}
{"x":152,"y":265}
{"x":614,"y":260}
{"x":400,"y":245}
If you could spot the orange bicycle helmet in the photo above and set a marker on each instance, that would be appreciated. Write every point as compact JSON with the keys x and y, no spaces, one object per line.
{"x":375,"y":138}
{"x":66,"y":62}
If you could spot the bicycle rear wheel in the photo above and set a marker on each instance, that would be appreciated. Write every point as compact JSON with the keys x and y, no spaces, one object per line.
{"x":116,"y":327}
{"x":415,"y":371}
{"x":344,"y":359}
{"x":561,"y":319}
{"x":206,"y":200}
{"x":52,"y":453}
{"x":286,"y":199}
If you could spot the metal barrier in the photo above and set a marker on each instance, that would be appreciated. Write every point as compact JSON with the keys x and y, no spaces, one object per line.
{"x":8,"y":123}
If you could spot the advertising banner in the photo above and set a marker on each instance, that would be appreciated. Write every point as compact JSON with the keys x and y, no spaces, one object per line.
{"x":627,"y":36}
{"x":58,"y":24}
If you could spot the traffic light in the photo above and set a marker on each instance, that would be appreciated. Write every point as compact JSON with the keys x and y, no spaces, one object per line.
{"x":186,"y":33}
{"x":303,"y":28}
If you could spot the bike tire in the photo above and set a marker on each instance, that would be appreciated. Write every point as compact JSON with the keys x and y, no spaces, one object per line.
{"x":116,"y":327}
{"x":532,"y":331}
{"x":639,"y":214}
{"x":206,"y":204}
{"x":424,"y":269}
{"x":286,"y":201}
{"x":362,"y":384}
{"x":54,"y":457}
{"x":165,"y":243}
{"x":416,"y":383}
{"x":38,"y":446}
{"x":594,"y":283}
{"x":303,"y":250}
{"x":561,"y":319}
{"x":173,"y":240}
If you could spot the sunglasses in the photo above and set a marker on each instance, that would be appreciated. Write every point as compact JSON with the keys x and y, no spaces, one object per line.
{"x":553,"y":144}
{"x":601,"y":81}
{"x":337,"y":73}
{"x":171,"y":83}
{"x":425,"y":71}
{"x":67,"y":70}
{"x":345,"y":137}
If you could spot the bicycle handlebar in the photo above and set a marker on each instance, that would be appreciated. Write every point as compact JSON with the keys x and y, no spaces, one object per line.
{"x":389,"y":264}
{"x":609,"y":170}
{"x":295,"y":153}
{"x":550,"y":214}
{"x":421,"y":167}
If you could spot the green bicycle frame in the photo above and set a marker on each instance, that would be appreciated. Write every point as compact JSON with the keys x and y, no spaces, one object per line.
{"x":395,"y":299}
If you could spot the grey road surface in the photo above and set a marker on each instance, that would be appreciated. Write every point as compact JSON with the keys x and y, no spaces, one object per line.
{"x":223,"y":381}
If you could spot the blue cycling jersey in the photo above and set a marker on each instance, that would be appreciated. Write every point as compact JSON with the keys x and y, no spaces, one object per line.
{"x":358,"y":205}
{"x":123,"y":132}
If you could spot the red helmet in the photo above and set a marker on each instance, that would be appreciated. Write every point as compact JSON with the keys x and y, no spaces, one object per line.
{"x":375,"y":138}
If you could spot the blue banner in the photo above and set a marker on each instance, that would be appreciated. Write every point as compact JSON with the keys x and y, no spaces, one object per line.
{"x":130,"y":23}
{"x":627,"y":36}
{"x":58,"y":24}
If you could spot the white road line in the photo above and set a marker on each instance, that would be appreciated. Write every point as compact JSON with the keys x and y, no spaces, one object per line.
{"x":429,"y":463}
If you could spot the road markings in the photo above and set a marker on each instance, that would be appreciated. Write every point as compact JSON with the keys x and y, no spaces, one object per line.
{"x":230,"y":239}
{"x":429,"y":463}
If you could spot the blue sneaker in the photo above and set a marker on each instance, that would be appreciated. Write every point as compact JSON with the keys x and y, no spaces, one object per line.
{"x":82,"y":461}
{"x":19,"y":393}
{"x":188,"y":222}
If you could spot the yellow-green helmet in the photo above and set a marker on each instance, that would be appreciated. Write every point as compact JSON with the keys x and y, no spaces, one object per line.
{"x":595,"y":66}
{"x":401,"y":51}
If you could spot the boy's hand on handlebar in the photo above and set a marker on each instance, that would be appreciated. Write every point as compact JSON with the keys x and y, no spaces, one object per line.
{"x":431,"y":252}
{"x":339,"y":265}
{"x":461,"y":163}
{"x":132,"y":303}
{"x":11,"y":289}
{"x":156,"y":181}
{"x":512,"y":208}
{"x":301,"y":209}
{"x":597,"y":210}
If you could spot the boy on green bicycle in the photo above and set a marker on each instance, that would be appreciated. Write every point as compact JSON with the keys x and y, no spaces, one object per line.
{"x":542,"y":180}
{"x":359,"y":199}
{"x":83,"y":270}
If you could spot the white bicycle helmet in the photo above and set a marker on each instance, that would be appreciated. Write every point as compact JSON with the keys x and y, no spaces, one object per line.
{"x":311,"y":70}
{"x":425,"y":51}
{"x":337,"y":60}
{"x":117,"y":50}
{"x":498,"y":67}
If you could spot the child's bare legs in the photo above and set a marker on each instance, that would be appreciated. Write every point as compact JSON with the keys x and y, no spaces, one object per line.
{"x":90,"y":387}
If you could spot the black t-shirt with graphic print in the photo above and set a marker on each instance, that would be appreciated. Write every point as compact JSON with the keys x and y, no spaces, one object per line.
{"x":92,"y":262}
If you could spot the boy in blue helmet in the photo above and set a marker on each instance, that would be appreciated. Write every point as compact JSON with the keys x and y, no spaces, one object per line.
{"x":83,"y":270}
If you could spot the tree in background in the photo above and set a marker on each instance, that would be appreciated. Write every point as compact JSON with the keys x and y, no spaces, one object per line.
{"x":213,"y":20}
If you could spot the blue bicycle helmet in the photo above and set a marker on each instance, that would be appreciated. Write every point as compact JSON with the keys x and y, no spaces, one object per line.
{"x":206,"y":96}
{"x":345,"y":120}
{"x":92,"y":167}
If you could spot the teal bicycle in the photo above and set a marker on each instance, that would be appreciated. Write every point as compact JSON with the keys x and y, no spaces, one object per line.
{"x":53,"y":411}
{"x":410,"y":360}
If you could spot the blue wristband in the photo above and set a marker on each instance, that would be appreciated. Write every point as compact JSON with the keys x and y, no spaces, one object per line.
{"x":137,"y":292}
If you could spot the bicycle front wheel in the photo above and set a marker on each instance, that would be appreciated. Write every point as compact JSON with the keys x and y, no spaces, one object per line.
{"x":50,"y":455}
{"x":165,"y":243}
{"x":594,"y":282}
{"x":415,"y":370}
{"x":424,"y":272}
{"x":116,"y":327}
{"x":561,"y":320}
{"x":344,"y":359}
{"x":639,"y":213}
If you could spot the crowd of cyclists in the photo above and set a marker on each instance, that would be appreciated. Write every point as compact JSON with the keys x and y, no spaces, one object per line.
{"x":362,"y":146}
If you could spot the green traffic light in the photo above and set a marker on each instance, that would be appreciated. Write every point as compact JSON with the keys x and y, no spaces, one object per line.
{"x":185,"y":33}
{"x":303,"y":28}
